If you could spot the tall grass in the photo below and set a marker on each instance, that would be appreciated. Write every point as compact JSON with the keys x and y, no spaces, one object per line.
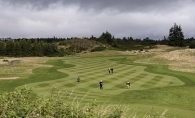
{"x":20,"y":103}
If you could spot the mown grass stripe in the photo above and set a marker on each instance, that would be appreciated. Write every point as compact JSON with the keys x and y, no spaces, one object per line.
{"x":152,"y":82}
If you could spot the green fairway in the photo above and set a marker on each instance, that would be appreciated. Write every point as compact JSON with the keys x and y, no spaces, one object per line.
{"x":151,"y":87}
{"x":92,"y":70}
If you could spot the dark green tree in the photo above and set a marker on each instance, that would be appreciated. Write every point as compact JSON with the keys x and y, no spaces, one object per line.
{"x":25,"y":47}
{"x":17,"y":49}
{"x":10,"y":48}
{"x":2,"y":48}
{"x":50,"y":49}
{"x":192,"y":44}
{"x":106,"y":38}
{"x":38,"y":48}
{"x":29,"y":48}
{"x":176,"y":37}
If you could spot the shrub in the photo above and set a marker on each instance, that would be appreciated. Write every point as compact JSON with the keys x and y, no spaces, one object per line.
{"x":100,"y":48}
{"x":5,"y":60}
{"x":21,"y":103}
{"x":192,"y":44}
{"x":141,"y":49}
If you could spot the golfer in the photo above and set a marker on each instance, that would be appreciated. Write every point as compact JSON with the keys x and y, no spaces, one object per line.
{"x":112,"y":70}
{"x":101,"y":84}
{"x":108,"y":70}
{"x":128,"y":85}
{"x":78,"y":79}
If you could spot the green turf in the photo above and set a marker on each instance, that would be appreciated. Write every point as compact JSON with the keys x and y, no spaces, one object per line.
{"x":152,"y":86}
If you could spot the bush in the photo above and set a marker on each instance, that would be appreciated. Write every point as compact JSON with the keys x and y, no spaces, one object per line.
{"x":5,"y":60}
{"x":21,"y":103}
{"x":192,"y":44}
{"x":100,"y":48}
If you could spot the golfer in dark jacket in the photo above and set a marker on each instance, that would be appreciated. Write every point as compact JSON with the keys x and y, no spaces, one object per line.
{"x":112,"y":70}
{"x":101,"y":84}
{"x":78,"y":79}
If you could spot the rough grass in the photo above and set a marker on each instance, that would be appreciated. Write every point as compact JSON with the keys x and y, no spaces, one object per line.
{"x":179,"y":59}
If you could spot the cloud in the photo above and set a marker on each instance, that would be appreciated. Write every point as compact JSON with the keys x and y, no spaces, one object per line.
{"x":83,"y":18}
{"x":100,"y":5}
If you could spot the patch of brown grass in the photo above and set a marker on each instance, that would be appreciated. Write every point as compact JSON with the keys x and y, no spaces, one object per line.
{"x":105,"y":53}
{"x":179,"y":59}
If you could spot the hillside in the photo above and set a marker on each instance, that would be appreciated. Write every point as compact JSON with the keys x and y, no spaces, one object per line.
{"x":79,"y":45}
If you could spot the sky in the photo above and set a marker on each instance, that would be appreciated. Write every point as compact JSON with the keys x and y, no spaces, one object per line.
{"x":84,"y":18}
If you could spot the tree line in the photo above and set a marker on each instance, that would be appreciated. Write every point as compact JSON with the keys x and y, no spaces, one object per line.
{"x":65,"y":46}
{"x":27,"y":47}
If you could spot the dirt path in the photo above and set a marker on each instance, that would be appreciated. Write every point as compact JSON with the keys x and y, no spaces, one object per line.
{"x":9,"y":78}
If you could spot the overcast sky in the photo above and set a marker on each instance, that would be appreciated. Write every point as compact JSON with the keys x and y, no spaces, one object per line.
{"x":84,"y":18}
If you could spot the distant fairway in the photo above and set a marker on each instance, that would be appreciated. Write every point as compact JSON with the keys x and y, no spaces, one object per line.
{"x":92,"y":70}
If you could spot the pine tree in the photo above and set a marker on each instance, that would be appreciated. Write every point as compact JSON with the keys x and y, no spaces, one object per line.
{"x":176,"y":37}
{"x":106,"y":38}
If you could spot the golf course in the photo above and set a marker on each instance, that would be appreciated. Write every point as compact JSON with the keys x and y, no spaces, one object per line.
{"x":155,"y":88}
